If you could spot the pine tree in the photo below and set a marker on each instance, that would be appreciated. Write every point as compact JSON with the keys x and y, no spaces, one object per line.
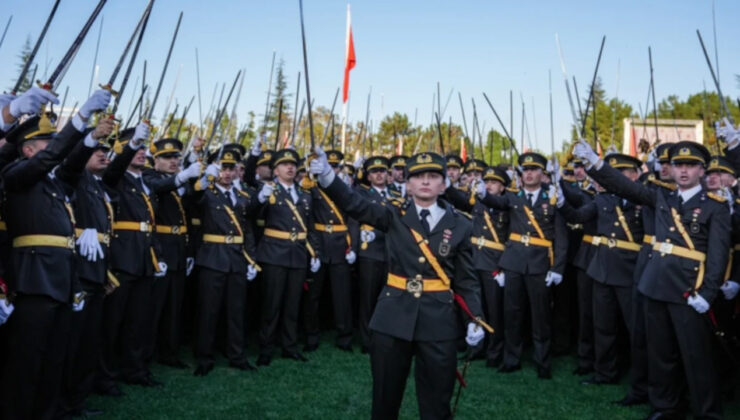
{"x":23,"y":56}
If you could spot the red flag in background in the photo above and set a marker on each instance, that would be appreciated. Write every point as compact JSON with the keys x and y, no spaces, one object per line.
{"x":633,"y":142}
{"x":349,"y":58}
{"x":463,"y":150}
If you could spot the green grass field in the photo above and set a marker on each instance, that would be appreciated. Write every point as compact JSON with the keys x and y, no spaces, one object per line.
{"x":337,"y":385}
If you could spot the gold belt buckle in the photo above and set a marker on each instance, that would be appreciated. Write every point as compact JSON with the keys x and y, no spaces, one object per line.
{"x":525,"y":239}
{"x":293,"y":236}
{"x":329,"y":228}
{"x":415,"y":286}
{"x":176,"y":230}
{"x":596,"y":240}
{"x":611,"y":242}
{"x":229,"y":239}
{"x":481,"y":242}
{"x":666,"y":248}
{"x":106,"y":239}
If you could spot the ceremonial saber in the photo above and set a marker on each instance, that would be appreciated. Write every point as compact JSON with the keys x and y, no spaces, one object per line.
{"x":591,"y":93}
{"x":567,"y":85}
{"x":714,"y":78}
{"x":134,"y":54}
{"x":32,"y":55}
{"x":511,"y":141}
{"x":164,"y":70}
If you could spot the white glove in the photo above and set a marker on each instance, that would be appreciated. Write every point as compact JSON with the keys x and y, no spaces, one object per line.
{"x":192,"y":171}
{"x":448,"y":183}
{"x":320,"y":167}
{"x":5,"y":99}
{"x":162,"y":269}
{"x":141,"y":133}
{"x":553,"y":278}
{"x":90,"y":247}
{"x":265,"y":192}
{"x":500,"y":278}
{"x":256,"y":147}
{"x":212,"y":171}
{"x":315,"y":265}
{"x":97,"y":102}
{"x":698,"y":303}
{"x":6,"y":308}
{"x":350,"y":257}
{"x":652,"y":156}
{"x":475,"y":334}
{"x":612,"y":149}
{"x":30,"y":101}
{"x":583,"y":151}
{"x":78,"y":303}
{"x":480,"y":189}
{"x":730,"y":289}
{"x":358,"y":162}
{"x":727,"y":132}
{"x":189,"y":265}
{"x":555,"y":173}
{"x":730,"y":200}
{"x":345,"y":178}
{"x":251,"y":272}
{"x":367,"y":235}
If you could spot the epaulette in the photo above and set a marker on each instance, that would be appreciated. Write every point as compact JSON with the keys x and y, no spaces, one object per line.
{"x":716,"y":197}
{"x":468,"y":215}
{"x":365,"y":187}
{"x":395,"y":192}
{"x":737,"y":201}
{"x":396,"y":202}
{"x":242,"y":192}
{"x":589,"y":191}
{"x":463,"y":188}
{"x":663,"y":184}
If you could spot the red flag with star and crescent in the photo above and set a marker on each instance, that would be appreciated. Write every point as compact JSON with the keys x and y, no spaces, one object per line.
{"x":349,"y":60}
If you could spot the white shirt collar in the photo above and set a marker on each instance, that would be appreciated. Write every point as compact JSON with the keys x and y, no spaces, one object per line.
{"x":535,"y":194}
{"x":223,"y":189}
{"x":381,"y":190}
{"x":691,"y":192}
{"x":134,"y":174}
{"x":435,"y":214}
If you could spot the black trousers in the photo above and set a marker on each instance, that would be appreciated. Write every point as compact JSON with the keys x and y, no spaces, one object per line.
{"x":434,"y":373}
{"x":493,"y":308}
{"x":518,"y":287}
{"x":680,"y":354}
{"x":282,"y":288}
{"x":217,"y":288}
{"x":638,"y":347}
{"x":125,"y":317}
{"x":372,"y":274}
{"x":585,"y":348}
{"x":608,"y":303}
{"x":341,"y":297}
{"x":84,"y":349}
{"x":564,"y":311}
{"x":37,"y":337}
{"x":166,"y":317}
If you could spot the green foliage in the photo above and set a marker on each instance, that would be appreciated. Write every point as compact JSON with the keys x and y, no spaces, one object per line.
{"x":23,"y":57}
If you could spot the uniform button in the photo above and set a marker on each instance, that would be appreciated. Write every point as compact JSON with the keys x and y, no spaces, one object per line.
{"x":671,"y":228}
{"x":422,"y":260}
{"x":696,"y":268}
{"x":426,"y":241}
{"x":616,"y":223}
{"x":529,"y":223}
{"x":668,"y":241}
{"x":387,"y":294}
{"x":614,"y":235}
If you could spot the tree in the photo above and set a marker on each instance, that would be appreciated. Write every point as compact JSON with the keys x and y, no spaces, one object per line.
{"x":280,"y":97}
{"x":23,"y":56}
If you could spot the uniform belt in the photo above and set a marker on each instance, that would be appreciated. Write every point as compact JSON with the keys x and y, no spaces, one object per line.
{"x":482,"y":242}
{"x":172,"y":230}
{"x":615,"y":243}
{"x":103,"y":238}
{"x":527,"y":240}
{"x":679,"y":251}
{"x":133,"y":226}
{"x":222,"y":239}
{"x":279,"y":234}
{"x":416,"y":284}
{"x":648,"y":239}
{"x":195,"y":222}
{"x":44,"y":240}
{"x":330,"y":228}
{"x":3,"y":226}
{"x":589,"y":239}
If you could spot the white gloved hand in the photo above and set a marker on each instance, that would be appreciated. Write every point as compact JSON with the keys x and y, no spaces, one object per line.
{"x":256,"y":147}
{"x":480,"y":189}
{"x":97,"y":102}
{"x":78,"y":303}
{"x":6,"y":308}
{"x":367,"y":235}
{"x":652,"y":156}
{"x":265,"y":192}
{"x":583,"y":151}
{"x":189,"y":265}
{"x":553,"y":278}
{"x":192,"y":171}
{"x":90,"y":247}
{"x":555,"y":173}
{"x":500,"y":278}
{"x":251,"y":272}
{"x":698,"y":303}
{"x":475,"y":334}
{"x":141,"y":133}
{"x":320,"y":167}
{"x":213,"y":170}
{"x":162,"y":269}
{"x":358,"y":162}
{"x":727,"y":132}
{"x":448,"y":183}
{"x":315,"y":265}
{"x":345,"y":178}
{"x":5,"y":99}
{"x":350,"y":257}
{"x":30,"y":101}
{"x":730,"y":289}
{"x":726,"y":192}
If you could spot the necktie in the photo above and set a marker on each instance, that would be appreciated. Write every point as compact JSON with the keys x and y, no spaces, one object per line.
{"x":230,"y":195}
{"x":680,"y":202}
{"x":290,"y":192}
{"x":143,"y":185}
{"x":424,"y":222}
{"x":529,"y":199}
{"x":382,"y":193}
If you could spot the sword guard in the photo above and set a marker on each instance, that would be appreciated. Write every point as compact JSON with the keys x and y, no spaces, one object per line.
{"x":109,"y":88}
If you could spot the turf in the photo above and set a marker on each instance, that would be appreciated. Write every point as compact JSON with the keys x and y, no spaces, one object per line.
{"x":337,"y":385}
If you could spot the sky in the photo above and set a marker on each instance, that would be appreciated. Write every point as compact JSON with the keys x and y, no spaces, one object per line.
{"x":403,"y":48}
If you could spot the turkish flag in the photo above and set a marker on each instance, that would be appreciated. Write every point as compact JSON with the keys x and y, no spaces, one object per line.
{"x":463,"y":150}
{"x":350,"y":60}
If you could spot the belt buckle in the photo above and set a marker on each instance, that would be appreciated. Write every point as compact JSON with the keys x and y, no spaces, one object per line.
{"x":596,"y":240}
{"x":666,"y":248}
{"x":525,"y":239}
{"x":176,"y":230}
{"x":611,"y":242}
{"x":229,"y":239}
{"x":480,"y":242}
{"x":415,"y":286}
{"x":106,"y":239}
{"x":293,"y":236}
{"x":329,"y":228}
{"x":71,"y":242}
{"x":144,"y":226}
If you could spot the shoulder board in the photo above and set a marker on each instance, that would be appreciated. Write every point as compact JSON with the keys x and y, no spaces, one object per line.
{"x":589,"y":191}
{"x":468,"y":215}
{"x":463,"y":188}
{"x":395,"y":192}
{"x":243,"y":193}
{"x":716,"y":197}
{"x":512,"y":190}
{"x":663,"y":184}
{"x":737,"y":201}
{"x":396,"y":202}
{"x":365,"y":187}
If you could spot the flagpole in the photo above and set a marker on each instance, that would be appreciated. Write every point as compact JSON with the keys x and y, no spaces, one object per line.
{"x":348,"y":65}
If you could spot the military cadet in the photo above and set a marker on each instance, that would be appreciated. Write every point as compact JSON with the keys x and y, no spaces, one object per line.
{"x":454,"y":168}
{"x":372,"y":261}
{"x":618,"y":240}
{"x":134,"y":262}
{"x":168,"y":187}
{"x":40,"y":220}
{"x":337,"y":251}
{"x":288,"y":244}
{"x":397,"y":174}
{"x":94,"y":223}
{"x":533,"y":261}
{"x":681,"y":279}
{"x":224,"y":261}
{"x":430,"y":261}
{"x":719,"y":174}
{"x":474,"y":170}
